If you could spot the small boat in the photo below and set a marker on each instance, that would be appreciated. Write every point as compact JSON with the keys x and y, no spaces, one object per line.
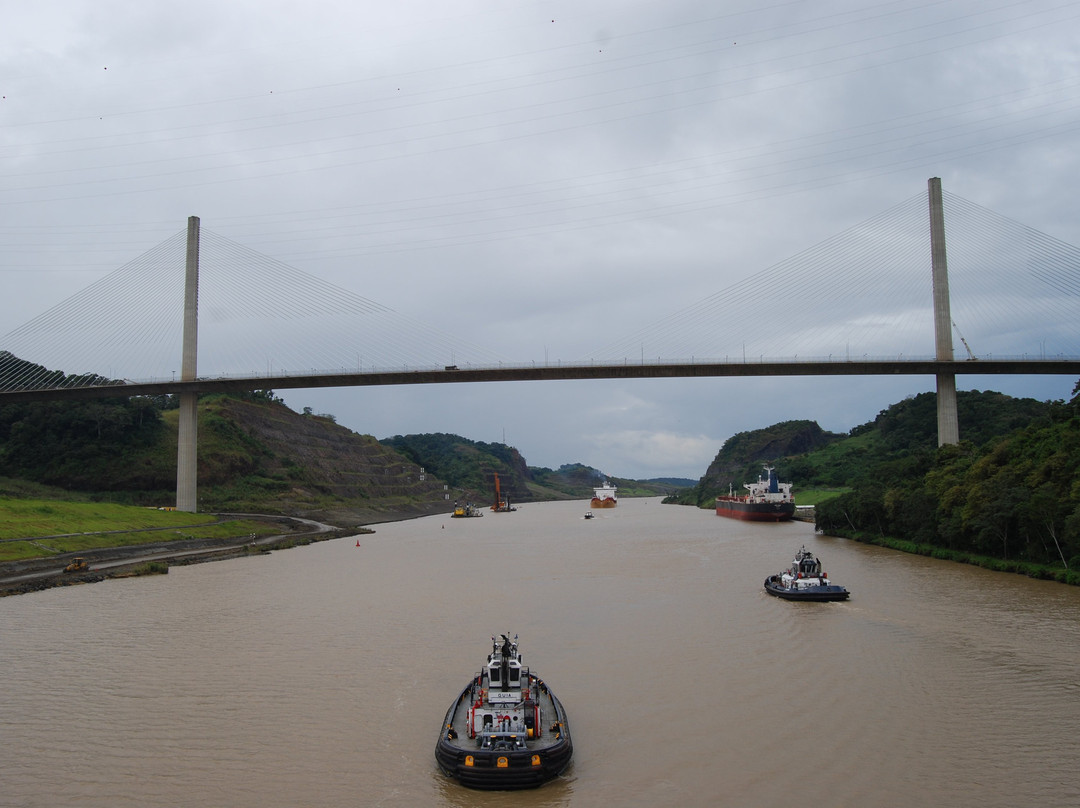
{"x":804,"y":580}
{"x":465,"y":511}
{"x":506,"y":730}
{"x":767,"y":500}
{"x":589,"y":515}
{"x":605,"y":496}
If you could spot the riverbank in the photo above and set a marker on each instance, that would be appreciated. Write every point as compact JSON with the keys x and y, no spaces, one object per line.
{"x":1038,"y":571}
{"x":154,"y":558}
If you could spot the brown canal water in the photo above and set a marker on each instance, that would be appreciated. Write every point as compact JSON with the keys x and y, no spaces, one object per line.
{"x":319,"y":676}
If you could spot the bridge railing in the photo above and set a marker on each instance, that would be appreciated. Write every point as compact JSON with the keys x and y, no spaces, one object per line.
{"x":276,"y":373}
{"x":55,"y":380}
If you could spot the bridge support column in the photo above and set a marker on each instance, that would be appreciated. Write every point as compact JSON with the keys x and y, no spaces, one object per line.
{"x":187,"y":443}
{"x":948,"y":421}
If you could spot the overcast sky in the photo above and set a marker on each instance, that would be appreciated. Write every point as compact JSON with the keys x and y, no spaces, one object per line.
{"x":538,"y":179}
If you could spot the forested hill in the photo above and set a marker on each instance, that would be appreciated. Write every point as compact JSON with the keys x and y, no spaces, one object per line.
{"x":742,"y":456}
{"x":1009,"y":490}
{"x":1014,"y":496}
{"x":902,"y":439}
{"x":255,"y":454}
{"x":469,"y":468}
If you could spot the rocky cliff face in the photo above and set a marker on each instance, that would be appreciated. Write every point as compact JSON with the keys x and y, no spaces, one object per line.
{"x":469,"y":467}
{"x":740,"y":459}
{"x":314,"y":463}
{"x":747,"y":450}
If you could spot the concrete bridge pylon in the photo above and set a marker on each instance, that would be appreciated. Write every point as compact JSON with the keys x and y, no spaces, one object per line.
{"x":187,"y":439}
{"x":187,"y":453}
{"x":948,"y":420}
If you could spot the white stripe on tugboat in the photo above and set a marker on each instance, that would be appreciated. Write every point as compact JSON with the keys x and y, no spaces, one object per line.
{"x":506,"y":730}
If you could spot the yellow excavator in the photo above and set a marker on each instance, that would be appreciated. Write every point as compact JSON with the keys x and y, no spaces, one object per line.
{"x":77,"y":565}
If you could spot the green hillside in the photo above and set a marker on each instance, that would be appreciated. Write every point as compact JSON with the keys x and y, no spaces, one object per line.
{"x":1007,"y":496}
{"x":255,"y":454}
{"x":469,"y":468}
{"x":742,"y":456}
{"x":1013,"y":497}
{"x":900,"y":442}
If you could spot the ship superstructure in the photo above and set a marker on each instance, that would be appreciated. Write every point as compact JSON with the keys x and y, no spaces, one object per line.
{"x":767,"y":500}
{"x":605,"y":496}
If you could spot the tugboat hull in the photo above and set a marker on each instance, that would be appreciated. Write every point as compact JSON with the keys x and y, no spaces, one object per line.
{"x":500,"y":737}
{"x":499,"y":769}
{"x":812,"y":593}
{"x":804,"y":580}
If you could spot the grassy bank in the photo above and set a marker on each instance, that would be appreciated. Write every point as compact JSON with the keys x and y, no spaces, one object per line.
{"x":1042,"y":572}
{"x":31,"y":528}
{"x":815,"y":496}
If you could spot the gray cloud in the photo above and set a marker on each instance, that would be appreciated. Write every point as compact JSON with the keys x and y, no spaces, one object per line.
{"x":543,"y":180}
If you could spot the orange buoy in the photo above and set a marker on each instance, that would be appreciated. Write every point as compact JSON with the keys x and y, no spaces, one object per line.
{"x":358,"y":542}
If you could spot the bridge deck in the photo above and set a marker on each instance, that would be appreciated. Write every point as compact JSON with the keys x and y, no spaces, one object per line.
{"x":873,"y":367}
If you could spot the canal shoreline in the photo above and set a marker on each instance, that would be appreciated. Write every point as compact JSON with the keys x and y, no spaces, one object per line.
{"x":34,"y":575}
{"x":37,"y":574}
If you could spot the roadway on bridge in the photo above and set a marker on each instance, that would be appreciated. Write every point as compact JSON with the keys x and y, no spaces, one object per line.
{"x":1064,"y":366}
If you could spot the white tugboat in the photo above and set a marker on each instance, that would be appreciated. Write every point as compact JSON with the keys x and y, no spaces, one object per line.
{"x":506,"y":730}
{"x":804,"y":580}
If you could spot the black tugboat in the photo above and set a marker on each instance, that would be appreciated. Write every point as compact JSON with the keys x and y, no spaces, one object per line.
{"x":804,"y":580}
{"x":506,"y":730}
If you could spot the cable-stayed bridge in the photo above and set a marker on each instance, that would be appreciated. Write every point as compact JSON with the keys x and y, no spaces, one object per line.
{"x":874,"y":300}
{"x":858,"y":303}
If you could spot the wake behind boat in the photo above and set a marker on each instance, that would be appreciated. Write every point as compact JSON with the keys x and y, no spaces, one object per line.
{"x":804,"y":580}
{"x":506,"y":730}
